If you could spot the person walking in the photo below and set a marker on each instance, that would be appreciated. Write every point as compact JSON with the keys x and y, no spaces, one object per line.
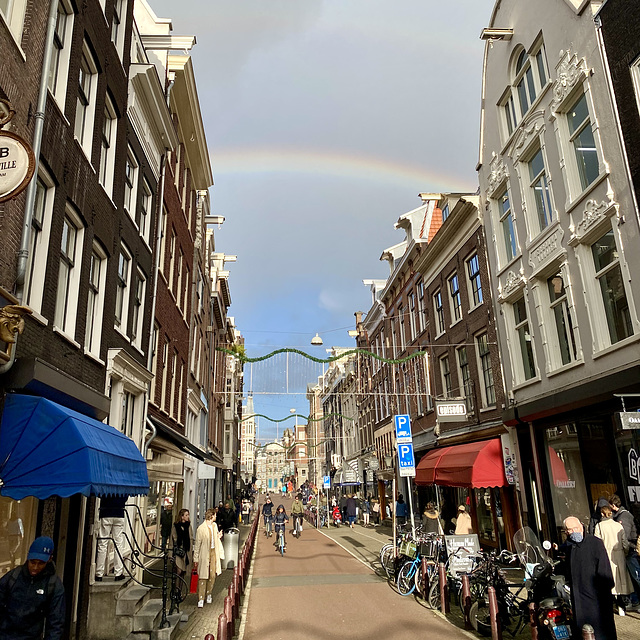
{"x":32,"y":597}
{"x":375,"y":508}
{"x":366,"y":511}
{"x":616,"y":543}
{"x":207,"y":554}
{"x":111,"y":526}
{"x":588,"y":572}
{"x":401,"y":510}
{"x":431,"y":520}
{"x":181,"y":537}
{"x":626,"y":519}
{"x":351,"y":509}
{"x":464,"y":526}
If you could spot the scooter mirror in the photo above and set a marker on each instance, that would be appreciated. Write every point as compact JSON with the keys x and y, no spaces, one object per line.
{"x":546,"y":545}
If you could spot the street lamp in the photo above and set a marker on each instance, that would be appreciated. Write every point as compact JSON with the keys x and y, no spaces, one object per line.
{"x":316,"y":340}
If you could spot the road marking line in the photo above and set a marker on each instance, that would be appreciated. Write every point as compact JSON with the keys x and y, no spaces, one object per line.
{"x":366,"y":564}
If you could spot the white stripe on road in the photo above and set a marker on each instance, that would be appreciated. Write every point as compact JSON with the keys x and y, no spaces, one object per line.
{"x":366,"y":564}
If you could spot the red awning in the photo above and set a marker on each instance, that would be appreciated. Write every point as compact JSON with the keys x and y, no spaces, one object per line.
{"x":473,"y":465}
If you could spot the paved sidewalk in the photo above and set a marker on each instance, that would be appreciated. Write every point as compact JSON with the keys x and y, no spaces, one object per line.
{"x":205,"y":620}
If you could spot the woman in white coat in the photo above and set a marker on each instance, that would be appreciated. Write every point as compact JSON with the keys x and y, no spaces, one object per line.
{"x":207,"y":553}
{"x":616,"y":543}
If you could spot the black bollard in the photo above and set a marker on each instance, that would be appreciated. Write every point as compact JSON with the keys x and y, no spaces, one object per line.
{"x":496,"y":631}
{"x":466,"y":601}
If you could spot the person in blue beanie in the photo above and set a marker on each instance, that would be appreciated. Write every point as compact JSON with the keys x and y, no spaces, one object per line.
{"x":32,"y":603}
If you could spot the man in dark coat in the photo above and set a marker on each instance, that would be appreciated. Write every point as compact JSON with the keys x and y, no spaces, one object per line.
{"x":588,"y":571}
{"x":32,"y":597}
{"x":350,"y":509}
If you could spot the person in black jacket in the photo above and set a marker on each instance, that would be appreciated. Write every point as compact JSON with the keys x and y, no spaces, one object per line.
{"x":32,"y":597}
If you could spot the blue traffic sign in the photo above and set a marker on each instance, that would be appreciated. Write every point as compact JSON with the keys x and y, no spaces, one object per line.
{"x":403,"y":428}
{"x":406,"y":460}
{"x":326,"y":482}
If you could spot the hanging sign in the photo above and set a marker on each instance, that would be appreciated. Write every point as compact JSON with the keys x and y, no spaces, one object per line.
{"x":17,"y":162}
{"x":630,"y":419}
{"x":451,"y":410}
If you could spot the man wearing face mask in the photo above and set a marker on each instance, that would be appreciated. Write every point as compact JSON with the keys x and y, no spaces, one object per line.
{"x":588,"y":571}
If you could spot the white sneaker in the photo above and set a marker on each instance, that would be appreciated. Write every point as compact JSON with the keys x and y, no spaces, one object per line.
{"x":200,"y":604}
{"x":209,"y":599}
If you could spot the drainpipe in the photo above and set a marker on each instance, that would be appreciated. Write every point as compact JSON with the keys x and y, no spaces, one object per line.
{"x":23,"y":253}
{"x":147,"y":442}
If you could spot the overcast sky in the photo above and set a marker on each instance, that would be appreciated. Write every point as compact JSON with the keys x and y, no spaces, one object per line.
{"x":325,"y":119}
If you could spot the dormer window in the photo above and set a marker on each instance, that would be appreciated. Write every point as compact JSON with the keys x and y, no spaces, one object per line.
{"x":445,"y":212}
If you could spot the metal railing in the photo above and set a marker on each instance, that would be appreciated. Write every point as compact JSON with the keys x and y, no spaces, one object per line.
{"x":174,"y":586}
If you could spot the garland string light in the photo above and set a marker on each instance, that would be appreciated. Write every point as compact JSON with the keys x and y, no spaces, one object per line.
{"x":297,"y":415}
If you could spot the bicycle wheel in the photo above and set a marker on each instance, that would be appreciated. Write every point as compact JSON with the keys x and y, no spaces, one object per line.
{"x":387,"y":561}
{"x":480,"y":619}
{"x":281,"y":544}
{"x":421,"y":588}
{"x":406,"y":581}
{"x":434,"y":595}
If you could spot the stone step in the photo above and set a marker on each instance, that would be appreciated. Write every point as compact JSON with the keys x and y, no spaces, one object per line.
{"x":148,"y":617}
{"x":168,"y":632}
{"x":132,"y":599}
{"x":142,"y":635}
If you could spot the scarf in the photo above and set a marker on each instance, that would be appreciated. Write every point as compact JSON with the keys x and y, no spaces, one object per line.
{"x":183,"y":539}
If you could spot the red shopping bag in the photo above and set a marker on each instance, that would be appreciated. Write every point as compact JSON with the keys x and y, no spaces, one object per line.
{"x":194,"y":582}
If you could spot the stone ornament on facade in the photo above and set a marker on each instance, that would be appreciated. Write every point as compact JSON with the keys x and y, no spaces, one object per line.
{"x":513,"y":282}
{"x":593,"y":213}
{"x":570,"y":71}
{"x":497,"y":173}
{"x":528,"y":130}
{"x":547,"y":250}
{"x":12,"y":322}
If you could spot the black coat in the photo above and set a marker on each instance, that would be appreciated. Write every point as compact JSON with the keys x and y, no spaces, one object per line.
{"x":588,"y":572}
{"x":351,"y":507}
{"x":29,"y":602}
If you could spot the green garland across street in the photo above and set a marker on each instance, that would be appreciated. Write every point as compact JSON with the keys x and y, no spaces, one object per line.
{"x":296,"y":415}
{"x":239,"y":352}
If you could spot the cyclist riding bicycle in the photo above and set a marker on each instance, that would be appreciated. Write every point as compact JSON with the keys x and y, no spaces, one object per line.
{"x":280,"y":520}
{"x":267,"y":512}
{"x":297,"y":511}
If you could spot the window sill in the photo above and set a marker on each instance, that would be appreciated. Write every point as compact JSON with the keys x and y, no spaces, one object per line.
{"x":59,"y":107}
{"x":84,"y":153}
{"x":492,"y":407}
{"x":618,"y":345}
{"x":573,"y":203}
{"x":137,"y":348}
{"x":477,"y":306}
{"x":122,"y":333}
{"x":109,"y":195}
{"x":564,"y":367}
{"x":439,"y":335}
{"x":509,"y":264}
{"x":94,"y":357}
{"x":526,"y":383}
{"x":67,"y":337}
{"x":453,"y":324}
{"x":39,"y":318}
{"x":14,"y":36}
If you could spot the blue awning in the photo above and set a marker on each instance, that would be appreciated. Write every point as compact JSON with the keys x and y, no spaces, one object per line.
{"x":49,"y":450}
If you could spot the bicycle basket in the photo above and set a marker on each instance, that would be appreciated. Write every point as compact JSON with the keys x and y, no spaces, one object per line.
{"x":409,"y":549}
{"x":429,"y":548}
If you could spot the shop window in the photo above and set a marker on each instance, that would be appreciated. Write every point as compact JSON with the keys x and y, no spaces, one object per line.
{"x":489,"y":517}
{"x":159,"y":515}
{"x":17,"y":531}
{"x":565,"y":474}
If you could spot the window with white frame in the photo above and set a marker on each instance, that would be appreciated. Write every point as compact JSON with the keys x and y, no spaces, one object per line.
{"x":401,"y":318}
{"x":13,"y":12}
{"x":178,"y":290}
{"x":445,"y":212}
{"x":464,"y":375}
{"x":130,"y":183}
{"x":539,"y":194}
{"x":439,"y":312}
{"x":185,"y":291}
{"x":180,"y":393}
{"x":162,"y":239}
{"x":412,"y":315}
{"x":394,"y":339}
{"x":39,"y":241}
{"x":61,"y":51}
{"x":582,"y":142}
{"x":487,"y":386}
{"x":86,"y":99}
{"x":165,"y":372}
{"x":635,"y":75}
{"x":117,"y":24}
{"x":108,"y":146}
{"x":172,"y":395}
{"x":172,"y":258}
{"x":127,"y":413}
{"x":524,"y":340}
{"x":123,"y":285}
{"x":456,"y":300}
{"x":146,"y":202}
{"x":445,"y":374}
{"x":137,"y":318}
{"x":563,"y":338}
{"x":475,"y":283}
{"x":422,"y":308}
{"x":95,"y":299}
{"x":608,"y":275}
{"x":154,"y":362}
{"x":69,"y":273}
{"x":508,"y":109}
{"x":507,"y":244}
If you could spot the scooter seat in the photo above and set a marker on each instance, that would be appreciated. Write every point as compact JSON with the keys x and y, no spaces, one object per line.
{"x":550,"y":603}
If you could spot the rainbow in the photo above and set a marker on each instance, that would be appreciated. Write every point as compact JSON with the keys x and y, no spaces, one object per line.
{"x":341,"y":165}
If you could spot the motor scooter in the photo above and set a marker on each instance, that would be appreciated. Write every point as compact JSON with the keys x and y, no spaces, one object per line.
{"x":549,"y":592}
{"x":336,"y":516}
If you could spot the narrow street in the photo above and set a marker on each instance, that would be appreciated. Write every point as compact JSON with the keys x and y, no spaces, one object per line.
{"x":319,"y":590}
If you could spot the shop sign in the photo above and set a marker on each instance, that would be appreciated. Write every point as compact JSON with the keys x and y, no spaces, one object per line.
{"x":451,"y":410}
{"x":17,"y":162}
{"x":509,"y":457}
{"x":406,"y":460}
{"x":634,"y":476}
{"x":462,"y":551}
{"x":374,"y":465}
{"x":630,"y":419}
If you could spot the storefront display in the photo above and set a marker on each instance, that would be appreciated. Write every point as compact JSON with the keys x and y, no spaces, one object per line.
{"x":17,"y":531}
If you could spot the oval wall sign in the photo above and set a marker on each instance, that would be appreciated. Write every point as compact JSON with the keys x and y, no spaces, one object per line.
{"x":17,"y":164}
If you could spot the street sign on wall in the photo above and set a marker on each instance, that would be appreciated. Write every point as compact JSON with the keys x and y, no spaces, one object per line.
{"x":406,"y":460}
